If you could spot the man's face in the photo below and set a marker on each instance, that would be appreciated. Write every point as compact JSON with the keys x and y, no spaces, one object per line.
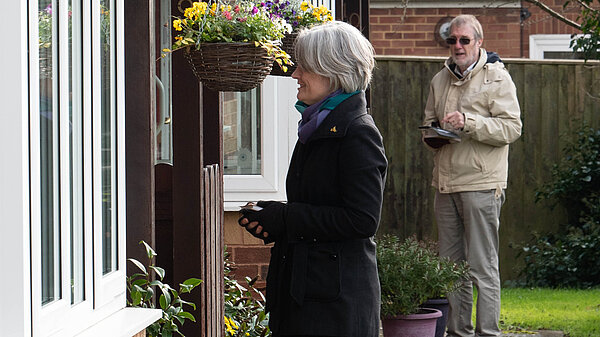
{"x":464,"y":54}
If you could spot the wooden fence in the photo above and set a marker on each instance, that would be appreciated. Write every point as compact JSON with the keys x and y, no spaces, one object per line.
{"x":555,"y":97}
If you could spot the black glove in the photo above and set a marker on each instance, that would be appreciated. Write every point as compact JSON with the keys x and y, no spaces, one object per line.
{"x":271,"y":218}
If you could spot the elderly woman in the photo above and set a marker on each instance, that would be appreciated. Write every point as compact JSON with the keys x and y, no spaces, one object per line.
{"x":322,"y":278}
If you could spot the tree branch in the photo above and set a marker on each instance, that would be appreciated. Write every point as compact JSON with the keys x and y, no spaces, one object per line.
{"x":555,"y":14}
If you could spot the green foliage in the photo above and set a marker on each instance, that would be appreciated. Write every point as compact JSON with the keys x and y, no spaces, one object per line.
{"x":570,"y":257}
{"x":589,"y":41}
{"x":244,"y":314}
{"x":410,"y":272}
{"x":576,"y":178}
{"x":141,"y":291}
{"x":563,"y":261}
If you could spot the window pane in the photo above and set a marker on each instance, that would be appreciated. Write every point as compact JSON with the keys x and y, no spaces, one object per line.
{"x":49,"y":170}
{"x":75,"y":152}
{"x":564,"y":55}
{"x":109,"y":225}
{"x":163,"y":100}
{"x":242,"y":132}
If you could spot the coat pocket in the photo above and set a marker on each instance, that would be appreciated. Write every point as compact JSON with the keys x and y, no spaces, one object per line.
{"x":323,"y":281}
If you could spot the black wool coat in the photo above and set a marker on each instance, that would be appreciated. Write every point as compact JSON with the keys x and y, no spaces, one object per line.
{"x":322,"y":276}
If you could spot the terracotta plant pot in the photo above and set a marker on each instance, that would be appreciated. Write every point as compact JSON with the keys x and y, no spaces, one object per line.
{"x":421,"y":324}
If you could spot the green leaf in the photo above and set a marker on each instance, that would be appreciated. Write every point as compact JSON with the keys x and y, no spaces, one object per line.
{"x":187,"y":315}
{"x":139,"y":265}
{"x":159,"y":271}
{"x":149,"y":251}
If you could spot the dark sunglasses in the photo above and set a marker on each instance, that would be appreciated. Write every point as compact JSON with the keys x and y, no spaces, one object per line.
{"x":463,"y":40}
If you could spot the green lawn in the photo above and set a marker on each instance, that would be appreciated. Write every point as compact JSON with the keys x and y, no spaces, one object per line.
{"x":575,"y":312}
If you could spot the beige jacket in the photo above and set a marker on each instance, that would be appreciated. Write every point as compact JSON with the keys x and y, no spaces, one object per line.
{"x":487,"y":96}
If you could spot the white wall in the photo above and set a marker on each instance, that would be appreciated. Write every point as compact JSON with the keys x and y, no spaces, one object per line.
{"x":15,"y":313}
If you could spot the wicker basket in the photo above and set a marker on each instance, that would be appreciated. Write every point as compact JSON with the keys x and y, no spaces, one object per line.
{"x":232,"y":66}
{"x":288,"y":45}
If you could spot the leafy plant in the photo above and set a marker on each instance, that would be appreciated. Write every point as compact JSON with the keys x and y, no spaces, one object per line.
{"x":238,"y":21}
{"x":563,"y":261}
{"x":140,"y":288}
{"x":570,"y":258}
{"x":576,"y":178}
{"x":589,"y":40}
{"x":244,"y":309}
{"x":411,"y":271}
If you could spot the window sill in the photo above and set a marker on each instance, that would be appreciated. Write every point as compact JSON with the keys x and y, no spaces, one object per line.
{"x":124,"y":323}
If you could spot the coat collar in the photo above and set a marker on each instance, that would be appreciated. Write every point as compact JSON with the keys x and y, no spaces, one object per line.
{"x":337,"y":122}
{"x":480,"y":63}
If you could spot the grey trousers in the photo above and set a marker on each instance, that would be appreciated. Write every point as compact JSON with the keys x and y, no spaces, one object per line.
{"x":468,"y":224}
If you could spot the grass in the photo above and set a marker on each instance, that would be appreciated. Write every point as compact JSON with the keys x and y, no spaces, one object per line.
{"x":575,"y":312}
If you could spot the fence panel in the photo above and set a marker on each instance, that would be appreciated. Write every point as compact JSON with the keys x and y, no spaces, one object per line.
{"x":556,"y":97}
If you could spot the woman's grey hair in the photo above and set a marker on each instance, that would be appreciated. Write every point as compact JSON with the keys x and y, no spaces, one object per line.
{"x":470,"y":20}
{"x":338,"y":51}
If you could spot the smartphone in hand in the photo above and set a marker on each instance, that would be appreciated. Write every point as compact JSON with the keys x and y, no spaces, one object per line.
{"x":251,"y":206}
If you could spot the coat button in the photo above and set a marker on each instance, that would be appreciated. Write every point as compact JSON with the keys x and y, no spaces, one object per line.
{"x":333,"y":256}
{"x":301,"y":238}
{"x":315,"y":240}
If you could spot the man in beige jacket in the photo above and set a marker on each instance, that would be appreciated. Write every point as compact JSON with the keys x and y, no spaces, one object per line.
{"x":475,"y":97}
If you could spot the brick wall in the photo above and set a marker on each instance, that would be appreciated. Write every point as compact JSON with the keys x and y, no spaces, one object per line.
{"x":250,"y":255}
{"x":396,"y":31}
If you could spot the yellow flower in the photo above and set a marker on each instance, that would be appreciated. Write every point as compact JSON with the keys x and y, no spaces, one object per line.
{"x":304,"y":6}
{"x":228,"y":325}
{"x":177,"y":25}
{"x":213,"y":9}
{"x":178,"y":38}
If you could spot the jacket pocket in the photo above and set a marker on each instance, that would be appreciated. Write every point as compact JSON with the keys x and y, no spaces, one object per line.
{"x":323,"y":281}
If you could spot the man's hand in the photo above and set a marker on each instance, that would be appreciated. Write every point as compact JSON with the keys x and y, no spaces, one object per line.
{"x":456,"y":119}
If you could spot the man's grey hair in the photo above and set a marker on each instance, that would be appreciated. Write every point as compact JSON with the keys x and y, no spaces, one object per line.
{"x":470,"y":20}
{"x":339,"y":52}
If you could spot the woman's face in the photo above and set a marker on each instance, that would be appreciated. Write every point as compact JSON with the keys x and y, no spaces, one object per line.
{"x":313,"y":87}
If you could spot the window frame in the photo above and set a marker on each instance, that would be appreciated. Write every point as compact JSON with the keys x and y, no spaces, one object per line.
{"x":104,"y":294}
{"x":540,"y":43}
{"x":279,"y":121}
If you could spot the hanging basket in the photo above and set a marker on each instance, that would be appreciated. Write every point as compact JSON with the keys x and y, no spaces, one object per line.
{"x":234,"y":66}
{"x":288,"y":44}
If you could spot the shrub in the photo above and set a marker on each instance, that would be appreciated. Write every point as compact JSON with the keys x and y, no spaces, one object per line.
{"x":411,"y":272}
{"x":571,"y":257}
{"x":244,"y":306}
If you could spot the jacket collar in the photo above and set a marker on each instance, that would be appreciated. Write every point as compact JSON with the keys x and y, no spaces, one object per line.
{"x":337,"y":122}
{"x":450,"y":65}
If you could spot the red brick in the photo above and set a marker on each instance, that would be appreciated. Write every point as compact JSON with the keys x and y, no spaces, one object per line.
{"x":391,"y":19}
{"x":380,"y":28}
{"x":379,"y":11}
{"x":425,"y":43}
{"x":424,"y":28}
{"x":402,"y":43}
{"x":255,"y":255}
{"x":426,"y":11}
{"x":414,"y":36}
{"x":394,"y":36}
{"x":242,"y":271}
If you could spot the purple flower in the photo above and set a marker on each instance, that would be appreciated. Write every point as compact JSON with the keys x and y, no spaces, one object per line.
{"x":254,"y":10}
{"x":49,"y":9}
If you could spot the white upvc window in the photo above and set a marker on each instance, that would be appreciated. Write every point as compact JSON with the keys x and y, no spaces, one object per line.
{"x":551,"y":46}
{"x":76,"y":154}
{"x":259,"y":134}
